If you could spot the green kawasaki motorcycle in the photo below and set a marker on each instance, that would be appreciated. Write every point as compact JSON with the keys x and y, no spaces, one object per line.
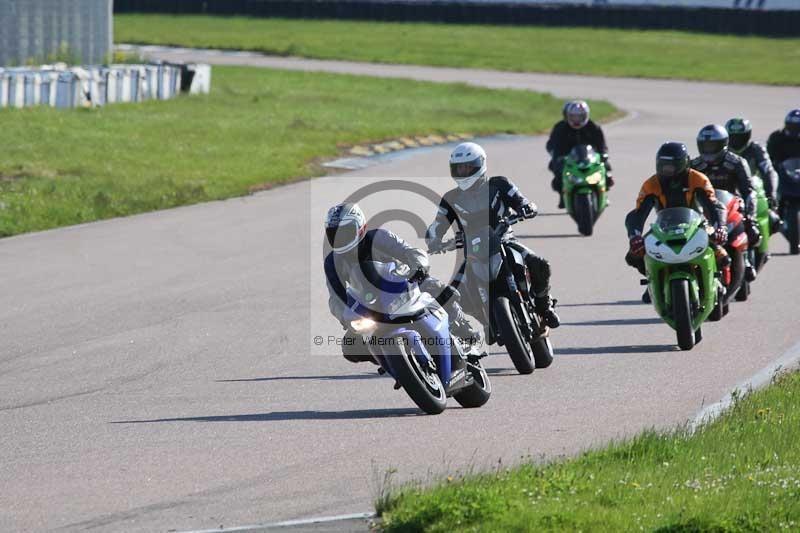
{"x":584,"y":187}
{"x":763,"y":221}
{"x":682,"y":273}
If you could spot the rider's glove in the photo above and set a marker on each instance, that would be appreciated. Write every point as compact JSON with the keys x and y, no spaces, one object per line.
{"x":609,"y":180}
{"x":753,"y":235}
{"x":720,"y":236}
{"x":420,"y":274}
{"x":773,"y":203}
{"x":529,"y":211}
{"x":636,"y":246}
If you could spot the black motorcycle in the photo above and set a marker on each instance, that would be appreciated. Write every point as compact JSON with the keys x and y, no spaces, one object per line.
{"x":498,"y":288}
{"x":789,"y":194}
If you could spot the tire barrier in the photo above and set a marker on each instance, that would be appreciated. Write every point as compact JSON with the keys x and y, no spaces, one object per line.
{"x":69,"y":87}
{"x":783,"y":23}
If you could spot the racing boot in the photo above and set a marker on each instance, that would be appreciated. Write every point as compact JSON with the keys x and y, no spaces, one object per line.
{"x":750,"y":272}
{"x":646,"y":297}
{"x":775,"y":223}
{"x":545,"y":307}
{"x":723,"y":265}
{"x":561,"y":201}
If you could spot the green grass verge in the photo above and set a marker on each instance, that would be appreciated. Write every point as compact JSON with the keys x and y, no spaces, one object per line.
{"x":741,"y":473}
{"x":257,"y":127}
{"x":607,"y":52}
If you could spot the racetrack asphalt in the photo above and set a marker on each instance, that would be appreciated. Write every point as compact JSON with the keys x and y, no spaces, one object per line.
{"x":157,"y":371}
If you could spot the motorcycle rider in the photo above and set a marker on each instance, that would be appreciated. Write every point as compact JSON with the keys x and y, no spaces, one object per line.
{"x":740,"y":131}
{"x":729,"y":172}
{"x":575,"y":128}
{"x":675,"y":184}
{"x":480,"y":199}
{"x":784,"y":144}
{"x":351,"y":243}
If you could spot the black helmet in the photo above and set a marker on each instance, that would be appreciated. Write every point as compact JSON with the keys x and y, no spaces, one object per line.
{"x":712,"y":143}
{"x":739,"y":130}
{"x":792,"y":123}
{"x":672,"y":160}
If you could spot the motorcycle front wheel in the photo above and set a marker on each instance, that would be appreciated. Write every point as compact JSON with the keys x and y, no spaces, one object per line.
{"x":421,"y":382}
{"x":479,"y":392}
{"x":510,"y":332}
{"x":682,"y":313}
{"x":791,"y":218}
{"x":585,"y":213}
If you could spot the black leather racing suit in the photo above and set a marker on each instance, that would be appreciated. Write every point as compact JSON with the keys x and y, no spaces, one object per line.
{"x":760,"y":165}
{"x":563,"y":138}
{"x":731,"y":174}
{"x":781,"y":147}
{"x":383,"y":245}
{"x":486,"y":202}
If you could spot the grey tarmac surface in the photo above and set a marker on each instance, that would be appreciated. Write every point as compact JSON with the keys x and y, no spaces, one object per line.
{"x":157,"y":371}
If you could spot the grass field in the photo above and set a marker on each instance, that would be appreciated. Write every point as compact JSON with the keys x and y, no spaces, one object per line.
{"x":608,"y":52}
{"x":741,"y":473}
{"x":257,"y":127}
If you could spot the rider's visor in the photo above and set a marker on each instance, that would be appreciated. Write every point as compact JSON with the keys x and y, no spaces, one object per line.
{"x":465,"y":170}
{"x":711,"y":147}
{"x":344,"y":236}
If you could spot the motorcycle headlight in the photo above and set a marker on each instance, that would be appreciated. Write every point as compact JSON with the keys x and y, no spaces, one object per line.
{"x":363,"y":325}
{"x":594,"y":179}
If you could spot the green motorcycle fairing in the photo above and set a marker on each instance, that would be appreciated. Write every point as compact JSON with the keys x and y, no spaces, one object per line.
{"x":677,"y":247}
{"x":762,"y":214}
{"x":584,"y":176}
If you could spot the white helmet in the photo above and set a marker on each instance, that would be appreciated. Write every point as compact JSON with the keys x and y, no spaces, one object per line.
{"x":467,"y":164}
{"x":577,"y":114}
{"x":345,"y":226}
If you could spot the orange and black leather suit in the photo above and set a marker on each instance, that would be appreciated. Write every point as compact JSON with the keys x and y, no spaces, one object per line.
{"x":693,"y":190}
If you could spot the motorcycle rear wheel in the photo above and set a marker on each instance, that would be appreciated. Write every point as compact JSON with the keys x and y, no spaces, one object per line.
{"x":542,"y":352}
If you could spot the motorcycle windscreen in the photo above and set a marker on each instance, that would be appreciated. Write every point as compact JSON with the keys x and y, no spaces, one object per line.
{"x":582,"y":155}
{"x":384,"y":289}
{"x":677,"y":220}
{"x":792,"y":166}
{"x":483,"y":254}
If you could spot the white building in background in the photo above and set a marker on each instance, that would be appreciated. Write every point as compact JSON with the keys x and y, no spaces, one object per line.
{"x":42,"y":30}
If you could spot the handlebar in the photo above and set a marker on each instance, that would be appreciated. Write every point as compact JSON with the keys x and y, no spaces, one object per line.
{"x":458,"y":242}
{"x":449,"y":245}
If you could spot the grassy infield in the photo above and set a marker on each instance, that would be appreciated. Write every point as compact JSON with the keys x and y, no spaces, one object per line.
{"x":57,"y":168}
{"x":257,"y":127}
{"x":606,"y":52}
{"x":741,"y":473}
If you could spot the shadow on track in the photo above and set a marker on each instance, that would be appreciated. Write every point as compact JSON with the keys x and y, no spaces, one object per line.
{"x":554,"y":236}
{"x":605,"y":350}
{"x":556,"y":214}
{"x":341,"y":377}
{"x":616,"y":322}
{"x":603,"y":304}
{"x":502,"y":371}
{"x":278,"y":416}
